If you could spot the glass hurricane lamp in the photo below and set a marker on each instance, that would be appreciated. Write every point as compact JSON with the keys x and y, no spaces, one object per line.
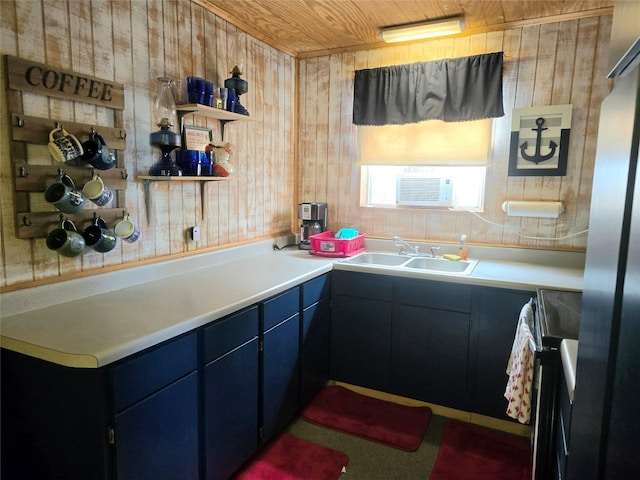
{"x":166,"y":140}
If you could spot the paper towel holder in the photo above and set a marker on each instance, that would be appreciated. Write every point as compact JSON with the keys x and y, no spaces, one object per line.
{"x":541,"y":209}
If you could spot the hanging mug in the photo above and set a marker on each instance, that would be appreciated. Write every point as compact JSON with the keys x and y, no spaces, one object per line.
{"x":127,"y":230}
{"x":64,"y":148}
{"x":64,"y":195}
{"x":97,"y":153}
{"x":96,"y":191}
{"x":99,"y":237}
{"x":65,"y":240}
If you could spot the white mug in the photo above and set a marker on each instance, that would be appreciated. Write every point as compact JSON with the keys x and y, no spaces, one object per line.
{"x":96,"y":191}
{"x":64,"y":148}
{"x":127,"y":230}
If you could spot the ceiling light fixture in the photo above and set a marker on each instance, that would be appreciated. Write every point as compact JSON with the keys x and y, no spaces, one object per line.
{"x":418,"y":31}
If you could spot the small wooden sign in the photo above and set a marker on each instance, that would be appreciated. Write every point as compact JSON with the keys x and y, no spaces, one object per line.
{"x":196,"y":138}
{"x":39,"y":78}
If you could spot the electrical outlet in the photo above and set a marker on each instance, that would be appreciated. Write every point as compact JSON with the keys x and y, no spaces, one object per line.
{"x":195,"y":234}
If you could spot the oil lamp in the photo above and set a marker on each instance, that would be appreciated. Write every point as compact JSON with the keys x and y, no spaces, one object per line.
{"x":166,"y":140}
{"x":240,"y":86}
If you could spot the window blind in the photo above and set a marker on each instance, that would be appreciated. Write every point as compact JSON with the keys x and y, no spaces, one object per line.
{"x":426,"y":143}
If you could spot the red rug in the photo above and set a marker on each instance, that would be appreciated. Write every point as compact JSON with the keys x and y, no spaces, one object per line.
{"x":291,"y":458}
{"x":346,"y":411}
{"x":470,"y":452}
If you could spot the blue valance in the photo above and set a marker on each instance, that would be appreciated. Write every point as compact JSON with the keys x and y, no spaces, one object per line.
{"x":451,"y":90}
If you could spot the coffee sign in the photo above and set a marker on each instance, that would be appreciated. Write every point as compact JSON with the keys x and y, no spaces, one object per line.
{"x":35,"y":77}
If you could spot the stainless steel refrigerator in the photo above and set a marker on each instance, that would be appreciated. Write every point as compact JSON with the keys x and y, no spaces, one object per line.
{"x":604,"y":442}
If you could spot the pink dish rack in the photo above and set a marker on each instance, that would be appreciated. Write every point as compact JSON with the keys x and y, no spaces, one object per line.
{"x":326,"y":245}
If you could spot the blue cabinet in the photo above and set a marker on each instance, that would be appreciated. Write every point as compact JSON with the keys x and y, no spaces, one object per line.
{"x":495,"y":316}
{"x":138,"y":418}
{"x":55,"y":420}
{"x":196,"y":406}
{"x":430,"y":341}
{"x":230,"y":393}
{"x":155,"y":427}
{"x":315,"y":336}
{"x":361,"y":329}
{"x":158,"y":436}
{"x":280,"y":336}
{"x":441,"y":342}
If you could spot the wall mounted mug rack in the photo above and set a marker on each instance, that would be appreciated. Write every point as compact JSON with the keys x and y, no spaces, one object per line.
{"x":34,"y":168}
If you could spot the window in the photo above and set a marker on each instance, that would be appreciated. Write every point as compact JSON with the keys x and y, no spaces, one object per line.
{"x":427,"y":164}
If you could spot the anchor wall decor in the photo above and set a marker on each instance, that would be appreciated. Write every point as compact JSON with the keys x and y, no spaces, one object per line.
{"x":540,"y":140}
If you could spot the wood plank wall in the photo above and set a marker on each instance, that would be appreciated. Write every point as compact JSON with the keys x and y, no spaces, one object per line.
{"x":133,"y":43}
{"x":551,"y":64}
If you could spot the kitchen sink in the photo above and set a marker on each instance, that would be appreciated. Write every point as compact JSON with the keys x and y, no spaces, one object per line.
{"x":384,"y":259}
{"x":427,"y":264}
{"x":464,"y":267}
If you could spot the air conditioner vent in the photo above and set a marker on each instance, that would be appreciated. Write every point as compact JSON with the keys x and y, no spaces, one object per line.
{"x":412,"y":190}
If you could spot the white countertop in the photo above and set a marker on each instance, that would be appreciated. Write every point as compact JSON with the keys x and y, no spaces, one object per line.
{"x":97,"y":320}
{"x":99,"y":329}
{"x":569,"y":355}
{"x":516,"y":269}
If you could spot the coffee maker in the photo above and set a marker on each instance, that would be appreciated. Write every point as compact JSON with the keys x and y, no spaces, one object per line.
{"x":314,"y":220}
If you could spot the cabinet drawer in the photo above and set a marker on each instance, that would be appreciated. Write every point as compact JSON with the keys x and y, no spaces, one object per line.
{"x":431,"y":294}
{"x":281,"y":307}
{"x":226,"y":334}
{"x":150,"y":371}
{"x":314,"y":290}
{"x":363,"y":285}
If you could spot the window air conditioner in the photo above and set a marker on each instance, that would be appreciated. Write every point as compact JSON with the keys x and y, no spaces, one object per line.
{"x":430,"y":191}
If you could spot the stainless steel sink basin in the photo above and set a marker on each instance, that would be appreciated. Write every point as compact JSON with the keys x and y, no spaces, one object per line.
{"x":464,"y":267}
{"x":384,"y":259}
{"x":428,"y":264}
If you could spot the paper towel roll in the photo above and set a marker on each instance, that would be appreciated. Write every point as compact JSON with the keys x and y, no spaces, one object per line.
{"x":533,"y":209}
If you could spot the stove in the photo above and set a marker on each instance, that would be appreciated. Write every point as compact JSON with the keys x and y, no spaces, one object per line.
{"x":559,"y":316}
{"x":556,"y":317}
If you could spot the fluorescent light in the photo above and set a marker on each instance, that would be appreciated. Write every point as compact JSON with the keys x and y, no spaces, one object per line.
{"x":417,"y":31}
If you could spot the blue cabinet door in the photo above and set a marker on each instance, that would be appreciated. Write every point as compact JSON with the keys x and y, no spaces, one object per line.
{"x":429,"y":355}
{"x":314,"y":348}
{"x":280,"y":375}
{"x":495,"y":318}
{"x":158,"y":436}
{"x":231,"y":410}
{"x":361,"y":341}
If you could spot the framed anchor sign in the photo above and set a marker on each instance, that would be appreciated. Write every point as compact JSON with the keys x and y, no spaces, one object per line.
{"x":540,"y":140}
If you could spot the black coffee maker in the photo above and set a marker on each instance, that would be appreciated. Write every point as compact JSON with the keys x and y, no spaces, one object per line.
{"x":314,"y":220}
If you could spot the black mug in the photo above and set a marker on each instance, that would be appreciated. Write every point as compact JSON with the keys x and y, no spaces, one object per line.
{"x":99,"y":237}
{"x":65,"y":240}
{"x":97,"y":153}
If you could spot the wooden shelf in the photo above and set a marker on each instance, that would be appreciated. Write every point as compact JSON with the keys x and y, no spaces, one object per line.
{"x":211,"y":112}
{"x":182,"y":178}
{"x":175,"y":178}
{"x":224,"y":116}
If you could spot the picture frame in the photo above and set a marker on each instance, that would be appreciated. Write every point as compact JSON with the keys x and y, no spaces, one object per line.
{"x":540,"y":141}
{"x":196,"y":138}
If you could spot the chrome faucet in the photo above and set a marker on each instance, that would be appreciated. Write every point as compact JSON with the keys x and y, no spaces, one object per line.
{"x":405,"y":247}
{"x":412,"y":250}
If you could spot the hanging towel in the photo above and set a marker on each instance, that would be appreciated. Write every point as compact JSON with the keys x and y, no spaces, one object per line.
{"x":520,"y":369}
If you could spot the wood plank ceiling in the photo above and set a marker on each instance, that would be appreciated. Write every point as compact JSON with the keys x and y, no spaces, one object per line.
{"x":308,"y":28}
